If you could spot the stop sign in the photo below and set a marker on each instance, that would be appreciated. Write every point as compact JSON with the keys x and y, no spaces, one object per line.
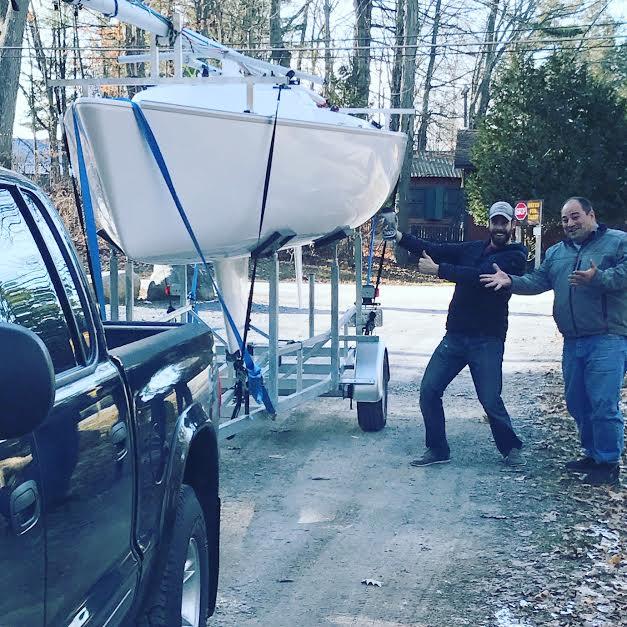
{"x":520,"y":211}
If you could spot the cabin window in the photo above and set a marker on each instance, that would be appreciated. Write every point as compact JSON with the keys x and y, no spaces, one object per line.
{"x":27,"y":293}
{"x":68,"y":280}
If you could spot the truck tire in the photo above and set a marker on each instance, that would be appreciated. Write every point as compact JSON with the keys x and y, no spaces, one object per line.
{"x":373,"y":416}
{"x":182,"y":596}
{"x":214,"y":556}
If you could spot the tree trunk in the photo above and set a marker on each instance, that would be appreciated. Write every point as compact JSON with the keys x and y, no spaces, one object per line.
{"x":361,"y":59}
{"x":421,"y":143}
{"x":279,"y":54}
{"x":480,"y":95}
{"x":397,"y":68}
{"x":328,"y":60}
{"x":303,"y":34}
{"x":407,"y":122}
{"x":133,"y":39}
{"x":45,"y":65}
{"x":11,"y":35}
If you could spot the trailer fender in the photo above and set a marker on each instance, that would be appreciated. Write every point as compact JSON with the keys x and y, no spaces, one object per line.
{"x":370,"y":364}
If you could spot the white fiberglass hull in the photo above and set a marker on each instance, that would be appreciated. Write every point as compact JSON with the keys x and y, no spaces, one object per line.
{"x":324,"y":176}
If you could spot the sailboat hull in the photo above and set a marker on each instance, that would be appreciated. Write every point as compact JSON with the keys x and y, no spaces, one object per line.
{"x":323,"y":177}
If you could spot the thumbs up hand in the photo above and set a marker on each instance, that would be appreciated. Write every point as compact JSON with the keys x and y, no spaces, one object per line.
{"x":583,"y":277}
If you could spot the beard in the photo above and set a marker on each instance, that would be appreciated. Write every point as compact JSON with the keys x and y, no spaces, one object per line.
{"x":499,"y":238}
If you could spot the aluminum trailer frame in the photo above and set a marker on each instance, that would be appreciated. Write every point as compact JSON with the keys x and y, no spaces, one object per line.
{"x":290,"y":374}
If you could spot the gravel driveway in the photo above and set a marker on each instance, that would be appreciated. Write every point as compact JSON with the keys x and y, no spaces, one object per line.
{"x":312,"y":506}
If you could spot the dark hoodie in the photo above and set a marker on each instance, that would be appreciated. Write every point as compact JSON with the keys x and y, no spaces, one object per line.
{"x":474,"y":310}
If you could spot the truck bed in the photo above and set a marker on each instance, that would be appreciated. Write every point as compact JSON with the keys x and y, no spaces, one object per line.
{"x":120,"y":333}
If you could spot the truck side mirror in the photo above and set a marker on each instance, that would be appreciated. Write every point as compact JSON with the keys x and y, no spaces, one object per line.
{"x":27,"y":385}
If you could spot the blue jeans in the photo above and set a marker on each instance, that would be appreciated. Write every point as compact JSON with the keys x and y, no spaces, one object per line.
{"x":594,"y":368}
{"x":484,"y":357}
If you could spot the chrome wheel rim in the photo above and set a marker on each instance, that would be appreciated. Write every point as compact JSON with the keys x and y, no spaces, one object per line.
{"x":190,"y":601}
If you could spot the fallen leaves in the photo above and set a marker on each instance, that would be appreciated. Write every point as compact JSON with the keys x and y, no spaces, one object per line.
{"x":579,"y":579}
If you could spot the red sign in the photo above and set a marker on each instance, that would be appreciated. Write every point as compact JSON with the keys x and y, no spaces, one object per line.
{"x":520,"y":211}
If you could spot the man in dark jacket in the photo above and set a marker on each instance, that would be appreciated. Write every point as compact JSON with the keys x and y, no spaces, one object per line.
{"x":475,"y":329}
{"x":588,"y":275}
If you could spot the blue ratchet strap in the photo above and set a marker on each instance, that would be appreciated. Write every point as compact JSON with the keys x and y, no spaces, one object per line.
{"x":192,"y":294}
{"x":255,"y":379}
{"x":90,"y":222}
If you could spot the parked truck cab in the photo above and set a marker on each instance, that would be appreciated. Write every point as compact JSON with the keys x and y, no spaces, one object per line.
{"x":109,"y":504}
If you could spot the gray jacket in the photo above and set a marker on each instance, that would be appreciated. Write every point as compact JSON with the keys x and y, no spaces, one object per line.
{"x":594,"y":309}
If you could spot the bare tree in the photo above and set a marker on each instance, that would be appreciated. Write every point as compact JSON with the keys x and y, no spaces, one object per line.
{"x":302,"y":28}
{"x":328,"y":59}
{"x":42,"y":103}
{"x":523,"y":22}
{"x":397,"y":67}
{"x":407,"y":122}
{"x":421,"y":140}
{"x":279,"y":54}
{"x":134,"y":38}
{"x":480,"y":94}
{"x":360,"y":78}
{"x":12,"y":22}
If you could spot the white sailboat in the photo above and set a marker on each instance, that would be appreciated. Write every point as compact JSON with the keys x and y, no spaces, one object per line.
{"x":329,"y":170}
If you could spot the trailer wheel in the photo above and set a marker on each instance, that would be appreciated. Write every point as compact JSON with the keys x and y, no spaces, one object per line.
{"x":373,"y":416}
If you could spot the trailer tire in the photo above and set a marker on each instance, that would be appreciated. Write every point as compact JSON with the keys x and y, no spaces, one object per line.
{"x":165,"y":609}
{"x":373,"y":416}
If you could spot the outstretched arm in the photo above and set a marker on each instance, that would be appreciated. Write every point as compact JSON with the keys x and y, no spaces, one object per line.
{"x":438,"y":252}
{"x":513,"y":263}
{"x":415,"y":245}
{"x":535,"y":283}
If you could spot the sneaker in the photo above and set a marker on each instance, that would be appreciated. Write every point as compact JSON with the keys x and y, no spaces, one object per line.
{"x":515,"y":458}
{"x":603,"y":474}
{"x":430,"y":457}
{"x":583,"y":464}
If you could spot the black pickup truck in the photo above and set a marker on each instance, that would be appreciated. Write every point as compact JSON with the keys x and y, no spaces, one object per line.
{"x":109,"y":506}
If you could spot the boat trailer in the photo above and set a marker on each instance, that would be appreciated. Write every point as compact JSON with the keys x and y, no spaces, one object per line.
{"x":348,"y":360}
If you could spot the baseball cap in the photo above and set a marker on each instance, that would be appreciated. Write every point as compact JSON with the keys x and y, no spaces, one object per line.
{"x":502,"y":208}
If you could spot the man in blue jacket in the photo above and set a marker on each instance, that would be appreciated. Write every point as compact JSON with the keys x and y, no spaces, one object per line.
{"x":475,"y":329}
{"x":588,"y":274}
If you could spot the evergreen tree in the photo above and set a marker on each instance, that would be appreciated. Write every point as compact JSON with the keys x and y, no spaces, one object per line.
{"x":555,"y":130}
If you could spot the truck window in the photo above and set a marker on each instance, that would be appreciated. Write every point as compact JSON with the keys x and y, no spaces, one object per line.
{"x":27,"y":294}
{"x":78,"y":306}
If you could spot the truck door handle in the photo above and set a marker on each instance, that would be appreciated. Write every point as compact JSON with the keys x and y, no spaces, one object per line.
{"x":25,"y":507}
{"x":119,"y":438}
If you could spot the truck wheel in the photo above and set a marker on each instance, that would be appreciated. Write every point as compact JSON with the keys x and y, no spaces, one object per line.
{"x":373,"y":416}
{"x":182,"y":596}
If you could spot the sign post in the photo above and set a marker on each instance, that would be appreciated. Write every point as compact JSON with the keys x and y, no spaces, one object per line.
{"x":520,"y":213}
{"x":534,"y":218}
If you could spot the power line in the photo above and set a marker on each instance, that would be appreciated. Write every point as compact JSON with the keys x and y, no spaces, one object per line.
{"x":530,"y":29}
{"x":378,"y":46}
{"x":308,"y":54}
